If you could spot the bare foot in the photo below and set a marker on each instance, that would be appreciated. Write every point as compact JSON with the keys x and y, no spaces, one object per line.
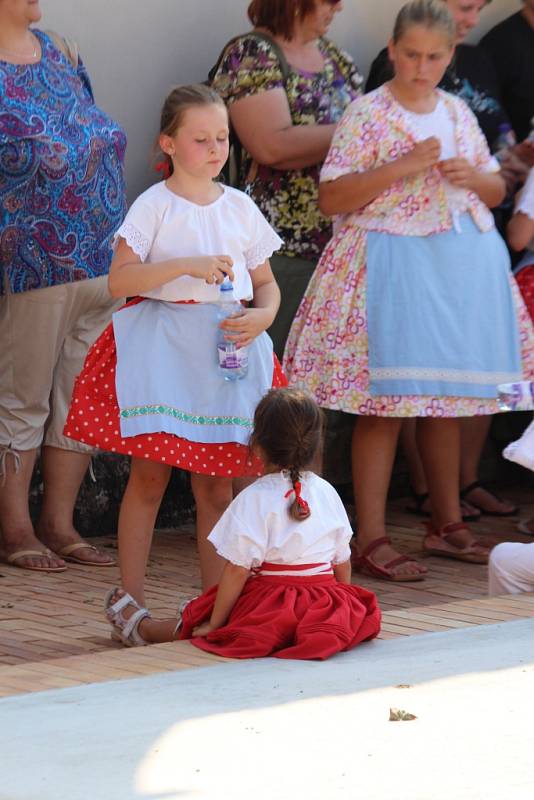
{"x":43,"y":559}
{"x":488,"y":503}
{"x":60,"y":541}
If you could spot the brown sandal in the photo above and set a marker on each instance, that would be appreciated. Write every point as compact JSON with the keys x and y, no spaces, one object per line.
{"x":472,"y":553}
{"x":363,"y":563}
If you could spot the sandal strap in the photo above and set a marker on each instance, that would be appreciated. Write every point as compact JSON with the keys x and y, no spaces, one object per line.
{"x":72,"y":548}
{"x":396,"y":562}
{"x":129,"y":631}
{"x":374,"y":545}
{"x":470,"y":488}
{"x":114,"y":612}
{"x":29,"y":553}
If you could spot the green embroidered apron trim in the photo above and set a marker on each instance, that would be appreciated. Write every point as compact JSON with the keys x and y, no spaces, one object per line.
{"x":183,"y":416}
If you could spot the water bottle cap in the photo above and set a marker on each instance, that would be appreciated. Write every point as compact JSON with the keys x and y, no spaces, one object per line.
{"x":227,"y":285}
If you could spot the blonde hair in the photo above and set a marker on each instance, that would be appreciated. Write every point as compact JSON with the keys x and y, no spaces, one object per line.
{"x":428,"y":13}
{"x":177,"y":102}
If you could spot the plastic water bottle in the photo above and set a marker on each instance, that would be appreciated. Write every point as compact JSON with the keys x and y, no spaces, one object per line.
{"x":233,"y":360}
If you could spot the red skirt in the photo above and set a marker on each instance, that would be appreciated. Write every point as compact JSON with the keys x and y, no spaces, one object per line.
{"x":525,"y":281}
{"x":94,"y":419}
{"x":310,"y":617}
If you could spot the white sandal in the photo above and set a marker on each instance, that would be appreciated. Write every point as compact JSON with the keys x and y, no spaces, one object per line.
{"x":125,"y":630}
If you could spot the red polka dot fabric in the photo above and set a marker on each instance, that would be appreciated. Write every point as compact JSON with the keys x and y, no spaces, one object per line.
{"x":525,"y":281}
{"x":94,"y":419}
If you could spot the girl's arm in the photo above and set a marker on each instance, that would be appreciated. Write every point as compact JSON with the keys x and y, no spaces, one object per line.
{"x":351,"y":192}
{"x":519,"y":231}
{"x":343,"y":572}
{"x":230,"y":587}
{"x":264,"y":127}
{"x":489,"y":186}
{"x":128,"y":276}
{"x":244,"y":329}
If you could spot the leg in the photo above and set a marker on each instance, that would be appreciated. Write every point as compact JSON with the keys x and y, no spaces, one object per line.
{"x":15,"y":521}
{"x":88,"y":308}
{"x":139,"y":509}
{"x":374,"y":443}
{"x":411,"y":453}
{"x":439,"y":445}
{"x":63,"y":473}
{"x":212,"y":496}
{"x":511,"y":568}
{"x":474,"y":432}
{"x":418,"y":481}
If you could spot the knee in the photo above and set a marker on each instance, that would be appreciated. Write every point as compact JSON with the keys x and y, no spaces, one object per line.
{"x":149,"y":484}
{"x":213,"y":493}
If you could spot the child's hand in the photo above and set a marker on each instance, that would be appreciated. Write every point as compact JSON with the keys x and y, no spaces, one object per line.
{"x":244,"y":328}
{"x":203,"y":630}
{"x":458,"y":171}
{"x":423,"y":155}
{"x":212,"y":269}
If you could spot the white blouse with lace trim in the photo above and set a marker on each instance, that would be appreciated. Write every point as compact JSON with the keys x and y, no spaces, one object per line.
{"x":161,"y":225}
{"x":257,"y":527}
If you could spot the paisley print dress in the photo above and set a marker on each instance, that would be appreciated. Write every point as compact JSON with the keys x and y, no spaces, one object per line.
{"x":61,"y":180}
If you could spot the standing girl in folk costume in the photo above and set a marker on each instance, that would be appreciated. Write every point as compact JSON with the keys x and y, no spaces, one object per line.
{"x":285,"y":590}
{"x":151,"y":386}
{"x":412,"y":311}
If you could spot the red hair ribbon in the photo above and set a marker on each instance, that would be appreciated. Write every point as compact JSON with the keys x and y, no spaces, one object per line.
{"x":297,"y":488}
{"x":165,"y":169}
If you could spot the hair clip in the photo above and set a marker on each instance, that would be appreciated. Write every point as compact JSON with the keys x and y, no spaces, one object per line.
{"x":164,"y":168}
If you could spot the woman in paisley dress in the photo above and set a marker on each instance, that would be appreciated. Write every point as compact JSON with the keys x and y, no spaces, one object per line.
{"x":394,"y":323}
{"x":61,"y":198}
{"x":286,"y":126}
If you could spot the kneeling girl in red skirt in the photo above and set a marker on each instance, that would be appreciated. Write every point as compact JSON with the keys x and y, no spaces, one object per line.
{"x":152,"y":387}
{"x":286,"y":587}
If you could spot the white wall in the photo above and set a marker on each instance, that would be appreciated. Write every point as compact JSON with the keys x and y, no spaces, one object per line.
{"x":136,"y":50}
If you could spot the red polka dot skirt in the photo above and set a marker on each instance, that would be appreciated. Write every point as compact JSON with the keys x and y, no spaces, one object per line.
{"x":94,"y":419}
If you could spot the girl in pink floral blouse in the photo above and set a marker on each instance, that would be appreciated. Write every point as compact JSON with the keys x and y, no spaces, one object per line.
{"x":412,"y":311}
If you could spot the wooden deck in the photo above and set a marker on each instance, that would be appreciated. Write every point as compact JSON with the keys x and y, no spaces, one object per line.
{"x":53,"y":633}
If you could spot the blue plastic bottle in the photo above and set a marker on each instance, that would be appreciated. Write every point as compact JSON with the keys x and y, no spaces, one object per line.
{"x":233,"y":361}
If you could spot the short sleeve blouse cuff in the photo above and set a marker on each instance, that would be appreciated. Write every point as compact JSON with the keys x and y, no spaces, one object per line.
{"x":236,"y":558}
{"x":525,"y":204}
{"x":133,"y":237}
{"x":342,"y":555}
{"x":269,"y":243}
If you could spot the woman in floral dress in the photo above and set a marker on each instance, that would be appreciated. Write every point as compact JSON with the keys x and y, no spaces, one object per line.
{"x":395,"y":321}
{"x":285,"y":92}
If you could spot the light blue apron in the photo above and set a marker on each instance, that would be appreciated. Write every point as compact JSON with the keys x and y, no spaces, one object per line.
{"x":168,"y":378}
{"x":441,"y":316}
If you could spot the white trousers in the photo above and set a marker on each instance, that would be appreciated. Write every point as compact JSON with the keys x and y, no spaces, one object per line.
{"x":511,"y":568}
